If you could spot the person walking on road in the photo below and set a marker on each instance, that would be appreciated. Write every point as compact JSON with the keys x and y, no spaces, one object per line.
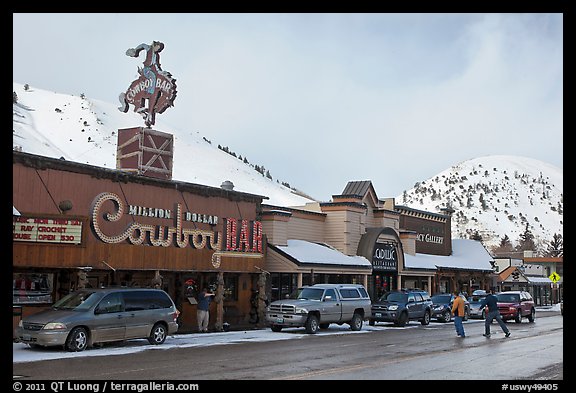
{"x":458,"y":312}
{"x":491,"y":303}
{"x":202,"y":313}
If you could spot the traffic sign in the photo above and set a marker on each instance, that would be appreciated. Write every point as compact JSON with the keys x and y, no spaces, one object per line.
{"x":555,"y":277}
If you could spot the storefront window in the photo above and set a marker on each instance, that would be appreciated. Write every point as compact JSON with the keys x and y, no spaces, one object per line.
{"x":230,"y":286}
{"x":194,"y":284}
{"x":32,"y":288}
{"x":283,"y":284}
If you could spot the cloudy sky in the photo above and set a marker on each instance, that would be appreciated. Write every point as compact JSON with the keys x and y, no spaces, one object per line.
{"x":322,"y":99}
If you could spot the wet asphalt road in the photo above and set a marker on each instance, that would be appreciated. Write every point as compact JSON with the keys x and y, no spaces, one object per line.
{"x":534,"y":352}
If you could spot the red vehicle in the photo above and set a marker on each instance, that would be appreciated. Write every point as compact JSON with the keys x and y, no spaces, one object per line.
{"x":516,"y":305}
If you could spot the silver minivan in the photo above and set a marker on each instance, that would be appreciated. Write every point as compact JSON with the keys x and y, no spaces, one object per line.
{"x":90,"y":316}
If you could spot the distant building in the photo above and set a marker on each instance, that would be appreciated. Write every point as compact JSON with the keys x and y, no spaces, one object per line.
{"x":359,"y":238}
{"x":531,"y":274}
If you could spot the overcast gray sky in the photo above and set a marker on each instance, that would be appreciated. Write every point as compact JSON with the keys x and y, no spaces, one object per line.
{"x":322,"y":99}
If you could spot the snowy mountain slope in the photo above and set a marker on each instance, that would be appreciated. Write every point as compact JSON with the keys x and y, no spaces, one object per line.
{"x":496,"y":196}
{"x":85,"y":130}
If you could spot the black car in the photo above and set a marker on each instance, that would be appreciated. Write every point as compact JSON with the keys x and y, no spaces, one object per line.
{"x":442,"y":307}
{"x":402,"y":306}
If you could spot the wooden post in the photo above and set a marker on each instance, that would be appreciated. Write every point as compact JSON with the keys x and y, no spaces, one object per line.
{"x":219,"y":298}
{"x":262,"y":300}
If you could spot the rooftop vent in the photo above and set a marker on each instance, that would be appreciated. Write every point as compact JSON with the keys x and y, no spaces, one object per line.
{"x":227,"y":185}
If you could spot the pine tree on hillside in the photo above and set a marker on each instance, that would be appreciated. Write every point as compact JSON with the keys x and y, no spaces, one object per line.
{"x":476,"y":236}
{"x":526,"y":241}
{"x":504,"y":249}
{"x":555,"y":246}
{"x":505,"y":242}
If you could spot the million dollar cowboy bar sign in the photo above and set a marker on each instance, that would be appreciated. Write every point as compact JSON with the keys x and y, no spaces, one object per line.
{"x":241,"y":238}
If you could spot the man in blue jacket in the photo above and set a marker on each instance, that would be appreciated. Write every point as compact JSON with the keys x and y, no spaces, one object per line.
{"x":491,"y":303}
{"x":202,"y":313}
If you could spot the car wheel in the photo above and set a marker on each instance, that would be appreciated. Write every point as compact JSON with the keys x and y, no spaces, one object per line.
{"x":532,"y":315}
{"x":426,"y":319}
{"x":276,"y":328}
{"x":518,"y":318}
{"x":402,"y":319}
{"x":356,"y":322}
{"x":483,"y":314}
{"x":158,"y":334}
{"x":77,"y":340}
{"x":446,"y":316}
{"x":312,"y":324}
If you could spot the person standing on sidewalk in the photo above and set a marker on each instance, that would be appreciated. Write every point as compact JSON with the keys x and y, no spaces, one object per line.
{"x":458,"y":312}
{"x":491,"y":303}
{"x":203,"y":314}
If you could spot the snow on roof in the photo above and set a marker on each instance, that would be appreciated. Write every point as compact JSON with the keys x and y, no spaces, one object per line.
{"x":539,"y":280}
{"x":309,"y":252}
{"x":466,"y":254}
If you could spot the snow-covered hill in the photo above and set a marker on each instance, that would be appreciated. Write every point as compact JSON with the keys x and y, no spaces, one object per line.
{"x":84,"y":130}
{"x":493,"y":195}
{"x":496,"y":196}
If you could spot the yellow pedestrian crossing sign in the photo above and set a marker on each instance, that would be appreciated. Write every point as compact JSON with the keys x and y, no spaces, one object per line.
{"x":555,"y":277}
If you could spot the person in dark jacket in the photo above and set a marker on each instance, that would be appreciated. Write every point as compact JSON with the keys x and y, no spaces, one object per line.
{"x":202,"y":313}
{"x":491,"y":303}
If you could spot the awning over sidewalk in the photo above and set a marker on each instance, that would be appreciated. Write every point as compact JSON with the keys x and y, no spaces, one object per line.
{"x":466,"y":255}
{"x":305,"y":255}
{"x":539,"y":280}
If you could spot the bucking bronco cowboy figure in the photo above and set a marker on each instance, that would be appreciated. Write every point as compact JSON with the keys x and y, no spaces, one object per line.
{"x":154,"y":85}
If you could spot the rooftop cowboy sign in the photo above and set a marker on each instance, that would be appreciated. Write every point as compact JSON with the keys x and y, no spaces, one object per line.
{"x":154,"y":86}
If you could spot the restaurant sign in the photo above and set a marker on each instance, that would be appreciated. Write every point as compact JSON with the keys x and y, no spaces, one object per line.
{"x":240,"y":238}
{"x":47,"y":230}
{"x":384,"y":257}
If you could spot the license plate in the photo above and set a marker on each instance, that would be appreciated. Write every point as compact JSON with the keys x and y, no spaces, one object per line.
{"x":26,"y":337}
{"x":279,"y":320}
{"x":378,"y":314}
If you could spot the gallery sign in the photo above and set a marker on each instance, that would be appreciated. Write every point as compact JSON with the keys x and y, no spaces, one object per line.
{"x":47,"y":230}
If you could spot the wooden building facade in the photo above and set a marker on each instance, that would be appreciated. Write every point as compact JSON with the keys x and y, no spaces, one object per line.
{"x":79,"y":225}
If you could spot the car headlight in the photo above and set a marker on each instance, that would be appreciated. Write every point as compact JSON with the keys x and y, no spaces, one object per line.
{"x":54,"y":326}
{"x":393,"y":308}
{"x":301,"y":310}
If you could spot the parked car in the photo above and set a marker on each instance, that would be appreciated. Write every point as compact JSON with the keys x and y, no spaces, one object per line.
{"x":317,"y":306}
{"x":516,"y":305}
{"x":89,"y":316}
{"x":442,"y":307}
{"x":402,"y":306}
{"x":475,"y":301}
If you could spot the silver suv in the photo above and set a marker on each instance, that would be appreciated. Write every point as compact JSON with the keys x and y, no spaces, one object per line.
{"x":89,"y":316}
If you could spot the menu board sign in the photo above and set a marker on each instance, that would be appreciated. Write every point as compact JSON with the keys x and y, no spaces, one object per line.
{"x":47,"y":230}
